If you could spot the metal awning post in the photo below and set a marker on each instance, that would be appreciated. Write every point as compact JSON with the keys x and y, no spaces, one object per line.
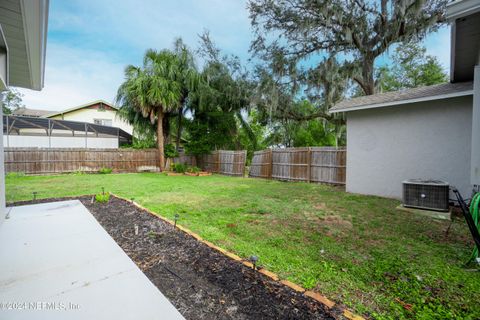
{"x":86,"y":133}
{"x":49,"y":134}
{"x":8,"y":133}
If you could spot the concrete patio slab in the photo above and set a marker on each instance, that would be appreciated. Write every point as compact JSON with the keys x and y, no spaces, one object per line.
{"x":428,"y":213}
{"x":57,"y":262}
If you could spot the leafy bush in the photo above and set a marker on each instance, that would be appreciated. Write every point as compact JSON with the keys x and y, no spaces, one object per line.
{"x":102,"y":197}
{"x":78,"y":173}
{"x":105,"y":170}
{"x":193,"y":169}
{"x":170,"y":151}
{"x":15,"y":174}
{"x":179,"y":167}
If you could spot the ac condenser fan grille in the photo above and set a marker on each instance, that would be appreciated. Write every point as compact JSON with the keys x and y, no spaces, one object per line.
{"x":426,"y":194}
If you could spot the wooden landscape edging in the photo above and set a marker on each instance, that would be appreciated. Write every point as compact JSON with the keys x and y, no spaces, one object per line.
{"x":329,"y":304}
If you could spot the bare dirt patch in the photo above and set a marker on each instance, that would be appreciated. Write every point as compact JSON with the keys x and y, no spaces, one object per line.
{"x":336,"y":221}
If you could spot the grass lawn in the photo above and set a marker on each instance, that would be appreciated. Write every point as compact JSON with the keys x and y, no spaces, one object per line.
{"x":354,"y":249}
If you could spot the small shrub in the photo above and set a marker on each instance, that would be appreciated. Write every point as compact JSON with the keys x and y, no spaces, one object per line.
{"x":105,"y":170}
{"x":170,"y":151}
{"x":179,"y":167}
{"x":193,"y":169}
{"x":15,"y":174}
{"x":102,"y":197}
{"x":78,"y":173}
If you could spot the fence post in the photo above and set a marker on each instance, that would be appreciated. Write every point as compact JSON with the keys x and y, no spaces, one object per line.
{"x":244,"y":162}
{"x":309,"y":164}
{"x":270,"y":168}
{"x":217,"y":161}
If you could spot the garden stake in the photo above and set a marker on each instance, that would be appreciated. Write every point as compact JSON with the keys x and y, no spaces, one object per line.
{"x":176,"y":218}
{"x":103,"y":190}
{"x":254,"y":260}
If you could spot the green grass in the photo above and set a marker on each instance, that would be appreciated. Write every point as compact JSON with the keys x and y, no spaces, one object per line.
{"x":357,"y":250}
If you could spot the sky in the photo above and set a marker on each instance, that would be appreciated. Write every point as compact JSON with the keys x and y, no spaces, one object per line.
{"x":90,"y":42}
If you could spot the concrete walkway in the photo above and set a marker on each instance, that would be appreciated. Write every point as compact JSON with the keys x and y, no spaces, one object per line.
{"x":57,"y":262}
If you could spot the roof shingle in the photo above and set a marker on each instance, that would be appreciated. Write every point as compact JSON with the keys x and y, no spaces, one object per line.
{"x":26,"y":112}
{"x":404,"y":96}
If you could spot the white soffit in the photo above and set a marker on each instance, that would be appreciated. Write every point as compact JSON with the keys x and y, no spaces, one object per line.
{"x":35,"y":23}
{"x":462,"y":8}
{"x":24,"y":23}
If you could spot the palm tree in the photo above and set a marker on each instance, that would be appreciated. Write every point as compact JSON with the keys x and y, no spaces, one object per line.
{"x":189,"y":79}
{"x":152,"y":91}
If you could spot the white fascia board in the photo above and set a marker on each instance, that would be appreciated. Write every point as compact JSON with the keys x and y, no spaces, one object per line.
{"x":462,"y":8}
{"x":35,"y":24}
{"x":400,"y":102}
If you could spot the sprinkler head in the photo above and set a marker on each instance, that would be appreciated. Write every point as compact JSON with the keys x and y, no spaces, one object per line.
{"x":254,"y":260}
{"x":177,"y":216}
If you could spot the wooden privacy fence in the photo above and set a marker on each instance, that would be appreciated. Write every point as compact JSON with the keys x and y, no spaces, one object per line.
{"x":62,"y":160}
{"x":315,"y":164}
{"x":226,"y":162}
{"x":48,"y":160}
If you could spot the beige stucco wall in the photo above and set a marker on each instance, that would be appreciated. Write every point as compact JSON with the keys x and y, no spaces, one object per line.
{"x":386,"y":146}
{"x":88,"y":115}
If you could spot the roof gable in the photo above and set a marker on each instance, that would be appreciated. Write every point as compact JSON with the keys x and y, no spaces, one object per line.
{"x":93,"y":104}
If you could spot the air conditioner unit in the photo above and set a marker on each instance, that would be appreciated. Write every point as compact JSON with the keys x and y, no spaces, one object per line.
{"x":426,"y":194}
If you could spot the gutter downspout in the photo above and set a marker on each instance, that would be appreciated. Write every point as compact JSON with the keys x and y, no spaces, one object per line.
{"x":475,"y":160}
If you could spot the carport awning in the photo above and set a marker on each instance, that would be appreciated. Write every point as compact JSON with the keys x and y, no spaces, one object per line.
{"x":14,"y":123}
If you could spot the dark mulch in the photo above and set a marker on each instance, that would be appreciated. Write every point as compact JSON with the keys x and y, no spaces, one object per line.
{"x":201,"y":282}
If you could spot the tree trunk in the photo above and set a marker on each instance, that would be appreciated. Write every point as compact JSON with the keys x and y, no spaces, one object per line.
{"x":166,"y":128}
{"x":179,"y":128}
{"x":160,"y":139}
{"x":367,"y":75}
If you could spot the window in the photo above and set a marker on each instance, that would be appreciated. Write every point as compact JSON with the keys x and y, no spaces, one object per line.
{"x":103,"y":122}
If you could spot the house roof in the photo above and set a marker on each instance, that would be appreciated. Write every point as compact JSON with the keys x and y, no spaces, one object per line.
{"x":461,"y":8}
{"x":30,"y":112}
{"x":24,"y":24}
{"x":427,"y":93}
{"x":81,"y":107}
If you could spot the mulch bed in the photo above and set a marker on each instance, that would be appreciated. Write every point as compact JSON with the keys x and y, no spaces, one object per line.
{"x":199,"y":281}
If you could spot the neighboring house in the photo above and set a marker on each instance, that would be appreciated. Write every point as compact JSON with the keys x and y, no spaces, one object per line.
{"x":37,"y":132}
{"x":431,"y":132}
{"x":92,"y":125}
{"x":25,"y":112}
{"x":97,"y":112}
